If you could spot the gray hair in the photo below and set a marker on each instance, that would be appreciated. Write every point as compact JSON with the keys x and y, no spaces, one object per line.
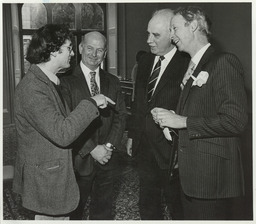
{"x":167,"y":13}
{"x":191,"y":13}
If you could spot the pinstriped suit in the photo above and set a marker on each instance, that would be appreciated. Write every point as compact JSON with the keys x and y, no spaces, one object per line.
{"x":209,"y":149}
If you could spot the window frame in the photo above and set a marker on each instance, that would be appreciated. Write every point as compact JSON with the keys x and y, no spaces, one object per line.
{"x":77,"y":32}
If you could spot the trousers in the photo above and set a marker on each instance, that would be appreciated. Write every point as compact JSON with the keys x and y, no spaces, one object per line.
{"x":156,"y":189}
{"x":99,"y":187}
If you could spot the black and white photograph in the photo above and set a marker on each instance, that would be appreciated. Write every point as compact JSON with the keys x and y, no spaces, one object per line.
{"x":137,"y":111}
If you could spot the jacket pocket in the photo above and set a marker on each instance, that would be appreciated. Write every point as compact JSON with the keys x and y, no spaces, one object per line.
{"x":214,"y":147}
{"x":53,"y":165}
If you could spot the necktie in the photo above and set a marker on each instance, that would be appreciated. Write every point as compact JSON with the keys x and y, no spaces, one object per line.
{"x":94,"y":86}
{"x":153,"y":77}
{"x":189,"y":72}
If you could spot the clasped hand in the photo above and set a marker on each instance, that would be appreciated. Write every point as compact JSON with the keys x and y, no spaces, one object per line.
{"x":101,"y":154}
{"x":168,"y":118}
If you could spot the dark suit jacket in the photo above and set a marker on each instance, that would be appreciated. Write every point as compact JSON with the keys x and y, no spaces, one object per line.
{"x":165,"y":96}
{"x":209,"y":155}
{"x":109,"y":127}
{"x":44,"y":174}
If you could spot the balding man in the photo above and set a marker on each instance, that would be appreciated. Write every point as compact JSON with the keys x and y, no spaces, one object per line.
{"x":151,"y":149}
{"x":94,"y":177}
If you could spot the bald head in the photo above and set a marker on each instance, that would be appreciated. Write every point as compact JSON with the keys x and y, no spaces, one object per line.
{"x":165,"y":15}
{"x":96,"y":36}
{"x":93,"y":49}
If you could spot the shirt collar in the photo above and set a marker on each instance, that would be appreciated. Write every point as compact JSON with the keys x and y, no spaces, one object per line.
{"x":168,"y":56}
{"x":200,"y":54}
{"x":86,"y":70}
{"x":53,"y":77}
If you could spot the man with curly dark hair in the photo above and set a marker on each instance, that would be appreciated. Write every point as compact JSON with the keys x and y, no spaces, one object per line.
{"x":44,"y":175}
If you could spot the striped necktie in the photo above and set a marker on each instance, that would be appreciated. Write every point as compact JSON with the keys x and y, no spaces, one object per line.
{"x":94,"y":86}
{"x":153,"y":78}
{"x":189,"y":72}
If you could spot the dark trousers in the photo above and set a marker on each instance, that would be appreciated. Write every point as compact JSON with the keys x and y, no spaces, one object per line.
{"x":207,"y":209}
{"x":99,"y":186}
{"x":154,"y":187}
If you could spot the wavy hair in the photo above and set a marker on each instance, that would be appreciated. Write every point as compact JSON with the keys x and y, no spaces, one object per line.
{"x":191,"y":13}
{"x":46,"y":40}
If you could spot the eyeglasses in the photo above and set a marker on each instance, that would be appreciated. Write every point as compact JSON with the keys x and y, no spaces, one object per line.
{"x":70,"y":48}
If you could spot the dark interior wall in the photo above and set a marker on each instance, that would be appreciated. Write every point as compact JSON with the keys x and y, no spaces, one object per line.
{"x":231,"y":30}
{"x":234,"y":34}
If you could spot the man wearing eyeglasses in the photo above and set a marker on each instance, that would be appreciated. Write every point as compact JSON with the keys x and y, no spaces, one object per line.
{"x":44,"y":175}
{"x":96,"y":178}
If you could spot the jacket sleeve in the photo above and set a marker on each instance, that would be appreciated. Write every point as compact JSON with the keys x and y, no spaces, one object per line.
{"x":43,"y":114}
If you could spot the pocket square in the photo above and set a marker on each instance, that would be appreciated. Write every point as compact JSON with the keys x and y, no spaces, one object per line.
{"x":167,"y":134}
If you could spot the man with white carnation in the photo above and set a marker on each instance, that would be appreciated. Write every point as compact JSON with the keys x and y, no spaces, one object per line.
{"x":210,"y":116}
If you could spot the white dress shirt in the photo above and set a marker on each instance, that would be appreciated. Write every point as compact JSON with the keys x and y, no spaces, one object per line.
{"x":197,"y":57}
{"x":167,"y":58}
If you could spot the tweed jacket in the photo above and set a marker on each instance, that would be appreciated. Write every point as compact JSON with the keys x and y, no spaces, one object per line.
{"x":166,"y":96}
{"x":209,"y":154}
{"x":44,"y":175}
{"x":108,"y":127}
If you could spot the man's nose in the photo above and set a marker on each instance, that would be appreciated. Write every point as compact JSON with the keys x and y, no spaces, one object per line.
{"x":94,"y":53}
{"x":150,"y":39}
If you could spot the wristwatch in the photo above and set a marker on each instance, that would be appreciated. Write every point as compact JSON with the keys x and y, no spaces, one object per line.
{"x":109,"y":145}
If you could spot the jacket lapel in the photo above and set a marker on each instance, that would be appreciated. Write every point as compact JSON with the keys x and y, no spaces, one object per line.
{"x":185,"y":93}
{"x":167,"y":74}
{"x":40,"y":75}
{"x":104,"y":83}
{"x":61,"y":106}
{"x":83,"y":84}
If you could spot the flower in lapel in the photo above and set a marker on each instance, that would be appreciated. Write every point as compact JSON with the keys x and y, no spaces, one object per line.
{"x":201,"y":79}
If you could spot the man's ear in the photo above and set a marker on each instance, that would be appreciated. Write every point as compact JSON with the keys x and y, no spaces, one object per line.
{"x":105,"y":54}
{"x":80,"y":48}
{"x":171,"y":33}
{"x":194,"y":25}
{"x":54,"y":54}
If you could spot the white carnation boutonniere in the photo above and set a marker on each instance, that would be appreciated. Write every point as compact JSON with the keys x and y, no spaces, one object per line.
{"x":201,"y":79}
